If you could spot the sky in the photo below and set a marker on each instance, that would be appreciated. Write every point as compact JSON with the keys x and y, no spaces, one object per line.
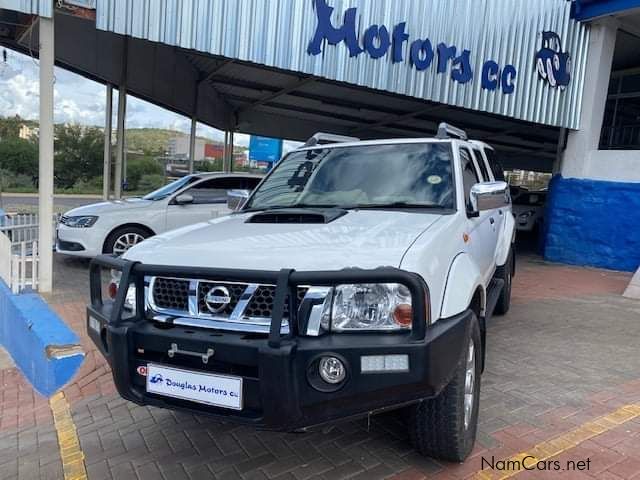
{"x":79,"y":100}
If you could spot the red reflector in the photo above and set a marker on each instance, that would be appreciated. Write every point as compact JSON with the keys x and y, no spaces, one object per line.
{"x":112,"y":290}
{"x":403,"y":315}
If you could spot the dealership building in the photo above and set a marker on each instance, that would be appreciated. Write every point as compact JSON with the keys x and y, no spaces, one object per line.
{"x":553,"y":85}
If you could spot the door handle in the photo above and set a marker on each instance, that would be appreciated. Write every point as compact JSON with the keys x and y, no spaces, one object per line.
{"x":500,"y":212}
{"x":491,"y":220}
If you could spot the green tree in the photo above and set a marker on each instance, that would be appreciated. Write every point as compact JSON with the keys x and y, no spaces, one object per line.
{"x":10,"y":127}
{"x":19,"y":157}
{"x":79,"y":154}
{"x":138,"y":167}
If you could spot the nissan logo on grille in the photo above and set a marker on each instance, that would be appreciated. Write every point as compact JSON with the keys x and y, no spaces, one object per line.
{"x":217,"y":299}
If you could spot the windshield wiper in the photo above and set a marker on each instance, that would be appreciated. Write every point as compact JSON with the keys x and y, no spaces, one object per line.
{"x":293,"y":206}
{"x":393,"y":205}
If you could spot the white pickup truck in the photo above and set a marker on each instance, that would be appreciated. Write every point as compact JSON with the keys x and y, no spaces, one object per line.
{"x":358,"y":277}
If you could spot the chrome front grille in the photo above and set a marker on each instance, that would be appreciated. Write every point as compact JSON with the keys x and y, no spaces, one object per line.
{"x":171,"y":293}
{"x":248,"y":303}
{"x":235,"y":292}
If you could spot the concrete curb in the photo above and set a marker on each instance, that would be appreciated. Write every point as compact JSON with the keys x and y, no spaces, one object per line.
{"x":633,"y":290}
{"x":43,"y":348}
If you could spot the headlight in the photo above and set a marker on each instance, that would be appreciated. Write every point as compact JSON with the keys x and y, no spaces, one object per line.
{"x":371,"y":306}
{"x":83,"y":221}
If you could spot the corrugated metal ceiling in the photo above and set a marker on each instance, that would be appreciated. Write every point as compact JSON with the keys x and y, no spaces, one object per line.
{"x":276,"y":33}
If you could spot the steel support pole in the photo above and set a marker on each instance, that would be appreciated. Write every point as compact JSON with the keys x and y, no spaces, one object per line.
{"x":121,"y":149}
{"x":45,"y":163}
{"x":122,"y":112}
{"x":230,"y":163}
{"x":192,"y":143}
{"x":225,"y":151}
{"x":106,"y":169}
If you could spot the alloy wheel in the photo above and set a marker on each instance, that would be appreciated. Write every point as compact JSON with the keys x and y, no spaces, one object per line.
{"x":125,"y":241}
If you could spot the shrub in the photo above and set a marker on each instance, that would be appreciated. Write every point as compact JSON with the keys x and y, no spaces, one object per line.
{"x":92,"y":185}
{"x":139,"y":167}
{"x":150,"y":182}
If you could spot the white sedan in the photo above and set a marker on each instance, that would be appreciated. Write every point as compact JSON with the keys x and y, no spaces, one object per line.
{"x":115,"y":226}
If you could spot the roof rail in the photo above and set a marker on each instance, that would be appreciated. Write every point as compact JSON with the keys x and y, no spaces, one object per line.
{"x":321,"y":138}
{"x":447,"y":131}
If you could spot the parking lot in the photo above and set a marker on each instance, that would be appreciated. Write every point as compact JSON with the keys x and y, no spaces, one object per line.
{"x":563,"y":357}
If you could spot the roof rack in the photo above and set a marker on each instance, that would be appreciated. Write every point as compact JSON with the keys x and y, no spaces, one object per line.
{"x":321,"y":138}
{"x":447,"y":131}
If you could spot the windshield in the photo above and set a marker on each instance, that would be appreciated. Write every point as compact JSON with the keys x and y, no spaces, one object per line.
{"x":164,"y":192}
{"x":400,"y":175}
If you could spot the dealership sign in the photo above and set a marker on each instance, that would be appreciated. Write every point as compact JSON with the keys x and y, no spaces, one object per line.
{"x":378,"y":41}
{"x":553,"y":65}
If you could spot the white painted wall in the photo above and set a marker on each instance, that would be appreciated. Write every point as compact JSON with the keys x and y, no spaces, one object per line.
{"x":581,"y":158}
{"x":608,"y":165}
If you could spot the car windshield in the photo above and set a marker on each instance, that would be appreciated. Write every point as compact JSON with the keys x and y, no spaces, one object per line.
{"x":164,"y":192}
{"x":367,"y":176}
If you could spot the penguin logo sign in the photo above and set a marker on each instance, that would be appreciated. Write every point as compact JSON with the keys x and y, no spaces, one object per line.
{"x":553,"y":65}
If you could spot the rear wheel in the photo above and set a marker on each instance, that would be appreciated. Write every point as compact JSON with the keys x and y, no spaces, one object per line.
{"x":505,"y":273}
{"x":445,"y":427}
{"x":122,"y":239}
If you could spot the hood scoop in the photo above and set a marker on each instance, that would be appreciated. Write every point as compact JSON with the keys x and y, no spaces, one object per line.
{"x":297,"y":215}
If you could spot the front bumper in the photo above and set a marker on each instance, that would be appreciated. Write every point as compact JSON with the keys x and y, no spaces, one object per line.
{"x":81,"y":242}
{"x":276,"y":389}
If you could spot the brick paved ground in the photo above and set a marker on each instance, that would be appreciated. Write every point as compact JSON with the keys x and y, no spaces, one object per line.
{"x":565,"y":354}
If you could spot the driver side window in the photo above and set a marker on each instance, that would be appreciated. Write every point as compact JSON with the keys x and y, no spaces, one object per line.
{"x":214,"y":190}
{"x":469,"y":174}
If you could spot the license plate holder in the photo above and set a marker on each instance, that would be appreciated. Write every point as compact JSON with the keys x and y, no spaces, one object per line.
{"x":224,"y":391}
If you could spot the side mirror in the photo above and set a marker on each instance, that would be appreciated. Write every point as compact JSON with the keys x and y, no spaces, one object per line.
{"x":489,"y":195}
{"x":183,"y":199}
{"x":236,"y":199}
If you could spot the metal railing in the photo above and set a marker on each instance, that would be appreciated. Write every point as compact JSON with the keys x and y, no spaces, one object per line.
{"x":24,"y":267}
{"x":19,"y":264}
{"x":20,"y":227}
{"x":19,"y":250}
{"x":23,"y":227}
{"x":625,"y":137}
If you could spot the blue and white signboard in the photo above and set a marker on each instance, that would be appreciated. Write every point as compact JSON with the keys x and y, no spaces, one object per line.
{"x":217,"y":390}
{"x":264,"y":149}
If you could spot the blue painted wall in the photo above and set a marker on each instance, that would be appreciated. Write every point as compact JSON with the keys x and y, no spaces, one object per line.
{"x":27,"y":327}
{"x":595,"y":223}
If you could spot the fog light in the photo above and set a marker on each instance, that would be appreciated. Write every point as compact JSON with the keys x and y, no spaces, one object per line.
{"x":332,"y":370}
{"x":384,"y":363}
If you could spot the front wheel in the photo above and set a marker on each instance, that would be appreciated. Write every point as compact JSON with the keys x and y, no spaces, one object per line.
{"x":445,"y":427}
{"x":122,"y":239}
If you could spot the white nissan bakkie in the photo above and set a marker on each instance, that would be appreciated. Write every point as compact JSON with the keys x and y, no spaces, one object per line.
{"x":358,"y":277}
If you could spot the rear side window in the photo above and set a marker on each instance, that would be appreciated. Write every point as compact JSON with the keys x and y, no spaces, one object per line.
{"x":496,"y":167}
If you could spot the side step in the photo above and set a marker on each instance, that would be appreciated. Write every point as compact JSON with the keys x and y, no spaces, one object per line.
{"x":493,"y":293}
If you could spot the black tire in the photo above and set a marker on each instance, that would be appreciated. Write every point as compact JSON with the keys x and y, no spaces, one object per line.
{"x":112,"y":243}
{"x":437,"y":426}
{"x":505,"y":273}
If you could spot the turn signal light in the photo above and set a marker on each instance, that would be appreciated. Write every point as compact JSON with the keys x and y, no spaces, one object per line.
{"x":112,"y":290}
{"x":403,"y":315}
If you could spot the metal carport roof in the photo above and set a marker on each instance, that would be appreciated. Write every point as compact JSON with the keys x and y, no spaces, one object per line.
{"x":230,"y":94}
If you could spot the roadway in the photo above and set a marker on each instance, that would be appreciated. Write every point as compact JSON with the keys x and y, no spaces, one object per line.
{"x":29,"y":201}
